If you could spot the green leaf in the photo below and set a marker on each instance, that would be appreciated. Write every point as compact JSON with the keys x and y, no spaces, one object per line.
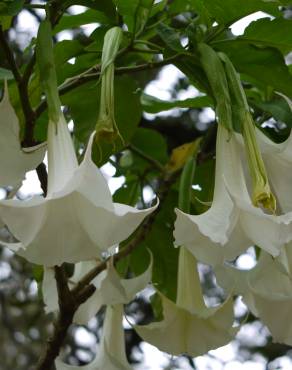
{"x":278,"y":108}
{"x":165,"y":256}
{"x":265,"y":65}
{"x":276,"y":33}
{"x":77,"y":20}
{"x":229,"y":11}
{"x":135,"y":13}
{"x":128,"y":193}
{"x":105,"y":6}
{"x":5,"y":74}
{"x":170,"y":37}
{"x":151,"y":104}
{"x":151,"y":143}
{"x":10,"y":7}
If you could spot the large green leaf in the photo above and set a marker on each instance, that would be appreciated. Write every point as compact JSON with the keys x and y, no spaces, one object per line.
{"x":265,"y":65}
{"x":134,"y":12}
{"x":105,"y":6}
{"x":170,"y":36}
{"x":151,"y":104}
{"x":276,"y":33}
{"x":77,"y":20}
{"x":229,"y":11}
{"x":151,"y":143}
{"x":160,"y":241}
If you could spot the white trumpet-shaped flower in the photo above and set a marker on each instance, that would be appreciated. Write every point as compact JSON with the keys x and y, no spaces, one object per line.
{"x":266,"y":289}
{"x":113,"y":292}
{"x":110,"y":289}
{"x":14,"y":161}
{"x":188,"y":326}
{"x":111,"y":353}
{"x":233,"y":223}
{"x":77,"y":220}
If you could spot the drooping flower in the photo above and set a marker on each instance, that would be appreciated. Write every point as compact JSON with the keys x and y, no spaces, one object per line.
{"x":14,"y":161}
{"x":111,"y":352}
{"x":77,"y":220}
{"x":110,"y":289}
{"x":233,"y":223}
{"x":266,"y":290}
{"x":113,"y":292}
{"x":189,"y":326}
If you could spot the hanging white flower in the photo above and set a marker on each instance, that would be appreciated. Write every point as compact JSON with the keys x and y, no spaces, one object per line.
{"x":14,"y":161}
{"x":113,"y":292}
{"x":77,"y":220}
{"x":233,"y":223}
{"x":110,"y":289}
{"x":189,"y":326}
{"x":111,"y":352}
{"x":266,"y":290}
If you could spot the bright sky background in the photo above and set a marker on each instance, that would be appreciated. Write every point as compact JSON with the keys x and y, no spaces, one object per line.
{"x":161,"y":87}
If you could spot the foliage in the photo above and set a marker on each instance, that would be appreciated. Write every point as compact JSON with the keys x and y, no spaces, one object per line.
{"x":149,"y":152}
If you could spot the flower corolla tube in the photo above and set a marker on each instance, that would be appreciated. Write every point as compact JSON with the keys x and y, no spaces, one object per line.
{"x":189,"y":326}
{"x":266,"y":289}
{"x":233,"y":223}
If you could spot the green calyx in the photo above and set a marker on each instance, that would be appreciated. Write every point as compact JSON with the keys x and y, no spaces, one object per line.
{"x":261,"y":193}
{"x":215,"y":73}
{"x":106,"y":128}
{"x":46,"y":65}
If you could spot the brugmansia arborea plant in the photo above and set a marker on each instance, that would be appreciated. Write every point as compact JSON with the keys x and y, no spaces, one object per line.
{"x":85,"y":240}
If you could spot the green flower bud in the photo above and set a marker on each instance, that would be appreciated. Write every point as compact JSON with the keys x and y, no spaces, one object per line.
{"x":106,"y":127}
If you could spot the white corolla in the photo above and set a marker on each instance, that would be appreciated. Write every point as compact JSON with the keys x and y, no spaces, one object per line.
{"x":189,"y":326}
{"x":233,"y":223}
{"x":113,"y":292}
{"x":77,"y":219}
{"x":111,"y":351}
{"x":14,"y":161}
{"x":110,"y":289}
{"x":266,"y":290}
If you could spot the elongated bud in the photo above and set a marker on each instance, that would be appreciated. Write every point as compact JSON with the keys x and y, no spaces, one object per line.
{"x":261,"y":194}
{"x":46,"y":65}
{"x":215,"y":72}
{"x":106,"y":127}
